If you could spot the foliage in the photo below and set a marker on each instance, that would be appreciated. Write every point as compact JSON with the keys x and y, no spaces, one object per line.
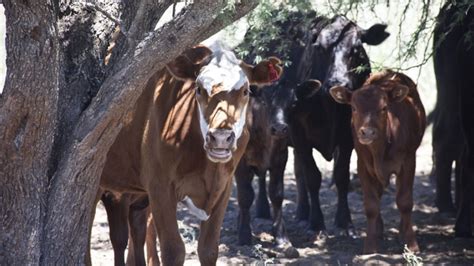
{"x":415,"y":44}
{"x":264,"y":28}
{"x":411,"y":258}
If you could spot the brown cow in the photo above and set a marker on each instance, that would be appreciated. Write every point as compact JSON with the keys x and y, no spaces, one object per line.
{"x":388,"y":123}
{"x":129,"y":220}
{"x":183,"y":142}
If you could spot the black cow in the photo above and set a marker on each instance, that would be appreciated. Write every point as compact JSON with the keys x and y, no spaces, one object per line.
{"x":338,"y":58}
{"x":447,"y":145}
{"x":267,"y":150}
{"x":329,"y":50}
{"x":455,"y":51}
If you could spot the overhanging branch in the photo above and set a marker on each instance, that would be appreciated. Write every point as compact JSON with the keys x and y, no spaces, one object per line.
{"x":227,"y":17}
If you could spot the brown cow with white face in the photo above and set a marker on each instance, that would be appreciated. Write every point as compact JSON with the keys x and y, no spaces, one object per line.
{"x":388,"y":123}
{"x":183,"y":141}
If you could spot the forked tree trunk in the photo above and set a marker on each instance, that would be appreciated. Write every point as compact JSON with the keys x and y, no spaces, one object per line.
{"x":62,"y":108}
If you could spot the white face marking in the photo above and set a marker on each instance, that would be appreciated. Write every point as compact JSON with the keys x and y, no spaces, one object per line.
{"x":238,"y":127}
{"x":202,"y":123}
{"x":279,"y":115}
{"x":224,"y":69}
{"x":340,"y":67}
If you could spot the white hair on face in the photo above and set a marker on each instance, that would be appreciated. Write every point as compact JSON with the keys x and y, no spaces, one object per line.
{"x":202,"y":123}
{"x":224,"y":69}
{"x":238,"y":127}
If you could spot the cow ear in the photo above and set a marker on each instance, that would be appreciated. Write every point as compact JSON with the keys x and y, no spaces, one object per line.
{"x":398,"y":93}
{"x":307,"y":89}
{"x":341,"y":94}
{"x":375,"y":35}
{"x":265,"y":72}
{"x":189,"y":63}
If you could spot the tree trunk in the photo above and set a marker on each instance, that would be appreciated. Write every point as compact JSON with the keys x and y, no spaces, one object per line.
{"x":27,"y":126}
{"x":62,"y":108}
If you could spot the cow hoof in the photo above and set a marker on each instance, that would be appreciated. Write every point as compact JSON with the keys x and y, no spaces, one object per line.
{"x":290,"y":252}
{"x":369,"y":249}
{"x":462,"y":233}
{"x":347,"y":232}
{"x":447,"y":210}
{"x":414,"y":248}
{"x":245,"y":238}
{"x":321,"y":235}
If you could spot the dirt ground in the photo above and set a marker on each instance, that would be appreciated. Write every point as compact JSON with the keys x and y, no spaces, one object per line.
{"x":434,"y":231}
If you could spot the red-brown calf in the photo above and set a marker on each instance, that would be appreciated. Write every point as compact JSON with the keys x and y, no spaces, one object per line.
{"x":388,"y":123}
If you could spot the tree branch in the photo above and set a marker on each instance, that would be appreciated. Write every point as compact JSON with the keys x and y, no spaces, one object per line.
{"x":142,"y":23}
{"x":226,"y":18}
{"x":97,"y":8}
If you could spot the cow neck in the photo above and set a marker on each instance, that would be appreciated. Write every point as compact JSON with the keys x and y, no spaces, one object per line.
{"x":217,"y":177}
{"x":379,"y":150}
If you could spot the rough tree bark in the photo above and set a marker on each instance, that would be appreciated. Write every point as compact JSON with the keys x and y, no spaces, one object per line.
{"x":62,"y":108}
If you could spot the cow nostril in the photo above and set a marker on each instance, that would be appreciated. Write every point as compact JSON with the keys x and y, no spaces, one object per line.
{"x":212,"y":138}
{"x":230,"y":138}
{"x":367,"y":132}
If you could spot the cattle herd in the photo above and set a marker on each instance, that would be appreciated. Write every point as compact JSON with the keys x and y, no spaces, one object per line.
{"x":209,"y":116}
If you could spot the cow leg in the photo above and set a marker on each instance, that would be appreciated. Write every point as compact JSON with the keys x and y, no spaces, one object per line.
{"x":463,"y":226}
{"x":210,"y":232}
{"x":163,"y":207}
{"x":276,"y":190}
{"x":443,"y":168}
{"x":457,"y":182}
{"x":405,"y":203}
{"x":151,"y":252}
{"x":302,"y":201}
{"x":137,"y":219}
{"x":312,"y":177}
{"x":372,"y":193}
{"x":117,"y":213}
{"x":262,"y":205}
{"x":341,"y":176}
{"x":245,"y":196}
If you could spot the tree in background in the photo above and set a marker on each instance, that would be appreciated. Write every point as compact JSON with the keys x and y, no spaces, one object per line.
{"x":66,"y":95}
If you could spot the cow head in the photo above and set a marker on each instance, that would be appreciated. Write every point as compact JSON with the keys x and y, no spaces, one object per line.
{"x":281,"y":100}
{"x":370,"y":108}
{"x":341,"y":40}
{"x":222,"y":93}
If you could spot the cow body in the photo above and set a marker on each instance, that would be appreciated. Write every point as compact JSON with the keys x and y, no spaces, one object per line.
{"x":454,"y":57}
{"x":267,"y":151}
{"x":183,"y":142}
{"x":388,"y":123}
{"x":447,"y":145}
{"x":328,"y":50}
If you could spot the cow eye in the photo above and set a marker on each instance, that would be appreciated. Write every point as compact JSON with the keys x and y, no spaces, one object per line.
{"x":246,"y":92}
{"x":198,"y":90}
{"x":384,"y":109}
{"x":353,"y":109}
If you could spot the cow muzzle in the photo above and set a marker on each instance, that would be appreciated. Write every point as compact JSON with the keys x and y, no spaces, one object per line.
{"x":279,"y":130}
{"x":367,"y":135}
{"x":219,"y":145}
